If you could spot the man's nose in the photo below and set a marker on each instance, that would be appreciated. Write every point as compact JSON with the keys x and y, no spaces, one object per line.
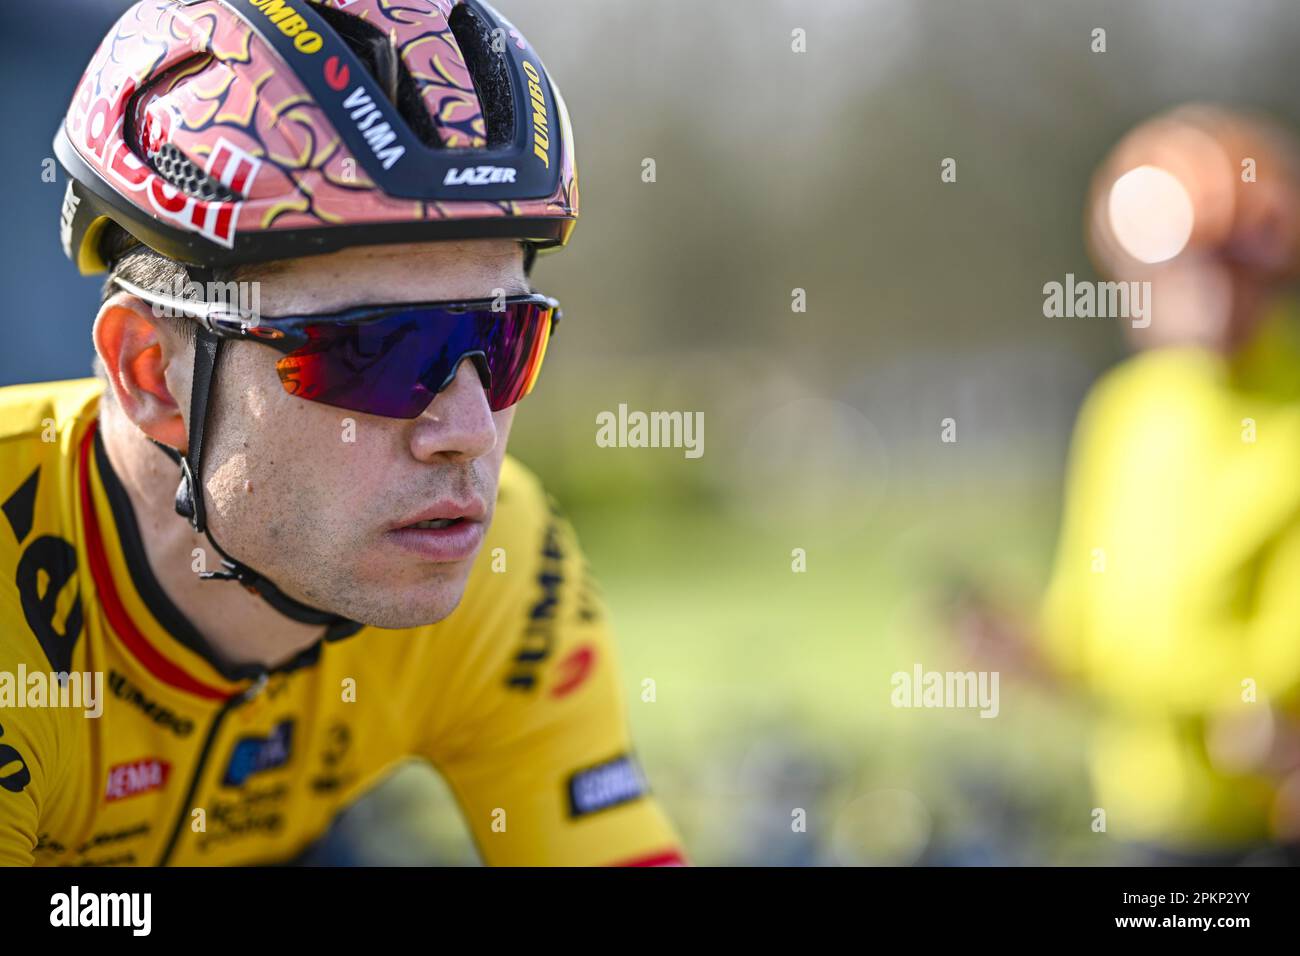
{"x":458,"y":423}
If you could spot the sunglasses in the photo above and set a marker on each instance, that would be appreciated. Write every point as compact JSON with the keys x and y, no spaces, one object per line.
{"x":391,"y":360}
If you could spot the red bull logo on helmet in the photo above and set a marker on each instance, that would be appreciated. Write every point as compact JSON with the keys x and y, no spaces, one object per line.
{"x":230,"y":165}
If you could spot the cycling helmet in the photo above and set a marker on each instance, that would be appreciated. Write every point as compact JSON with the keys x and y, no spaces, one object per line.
{"x":219,"y":132}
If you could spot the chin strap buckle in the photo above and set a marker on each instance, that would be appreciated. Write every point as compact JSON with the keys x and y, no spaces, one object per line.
{"x":232,"y":570}
{"x":218,"y":576}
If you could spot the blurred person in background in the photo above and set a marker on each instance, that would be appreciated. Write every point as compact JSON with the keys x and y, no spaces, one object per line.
{"x":1174,"y":603}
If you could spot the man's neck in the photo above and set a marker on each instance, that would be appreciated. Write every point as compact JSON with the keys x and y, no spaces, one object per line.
{"x":240,"y":627}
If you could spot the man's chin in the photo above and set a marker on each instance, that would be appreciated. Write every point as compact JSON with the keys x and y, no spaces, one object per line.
{"x":400,"y":622}
{"x":399,"y":609}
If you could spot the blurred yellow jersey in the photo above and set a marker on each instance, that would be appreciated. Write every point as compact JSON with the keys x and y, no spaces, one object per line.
{"x":514,"y":698}
{"x":1176,"y":594}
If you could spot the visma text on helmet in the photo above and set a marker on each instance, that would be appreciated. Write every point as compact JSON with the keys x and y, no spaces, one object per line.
{"x":378,"y":135}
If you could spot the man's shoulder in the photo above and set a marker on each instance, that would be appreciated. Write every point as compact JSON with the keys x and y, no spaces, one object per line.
{"x":40,"y":410}
{"x":41,"y":429}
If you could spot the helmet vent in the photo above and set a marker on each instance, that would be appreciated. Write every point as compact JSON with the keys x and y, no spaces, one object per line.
{"x":175,"y":167}
{"x":487,"y":68}
{"x":384,"y":62}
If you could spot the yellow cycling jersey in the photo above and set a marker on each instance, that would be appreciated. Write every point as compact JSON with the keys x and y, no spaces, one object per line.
{"x":124,"y":741}
{"x":1175,"y":601}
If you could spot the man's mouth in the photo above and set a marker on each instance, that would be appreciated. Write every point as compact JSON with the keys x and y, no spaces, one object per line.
{"x":436,"y":523}
{"x":443,"y":514}
{"x":444,"y":533}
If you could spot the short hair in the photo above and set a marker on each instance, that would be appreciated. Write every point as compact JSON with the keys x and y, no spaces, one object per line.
{"x":130,"y":259}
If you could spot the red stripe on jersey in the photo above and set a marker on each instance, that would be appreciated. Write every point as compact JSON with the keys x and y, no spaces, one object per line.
{"x":153,"y":660}
{"x":662,"y":858}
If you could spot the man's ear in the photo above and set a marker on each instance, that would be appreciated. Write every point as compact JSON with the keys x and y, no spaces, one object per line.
{"x":137,"y":350}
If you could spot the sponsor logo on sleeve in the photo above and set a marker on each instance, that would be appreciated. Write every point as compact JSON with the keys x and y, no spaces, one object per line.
{"x":606,"y":785}
{"x":539,"y":632}
{"x":574,"y":670}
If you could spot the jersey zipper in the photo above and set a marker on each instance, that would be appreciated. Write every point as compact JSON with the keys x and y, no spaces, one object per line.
{"x":230,"y":704}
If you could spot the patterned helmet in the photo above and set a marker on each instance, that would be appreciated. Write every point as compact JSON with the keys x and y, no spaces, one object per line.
{"x":219,"y":132}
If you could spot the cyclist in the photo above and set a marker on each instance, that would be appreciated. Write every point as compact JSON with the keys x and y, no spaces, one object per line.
{"x":1173,"y":599}
{"x":317,"y":220}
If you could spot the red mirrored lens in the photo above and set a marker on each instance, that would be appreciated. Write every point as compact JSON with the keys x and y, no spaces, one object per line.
{"x":394,"y":364}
